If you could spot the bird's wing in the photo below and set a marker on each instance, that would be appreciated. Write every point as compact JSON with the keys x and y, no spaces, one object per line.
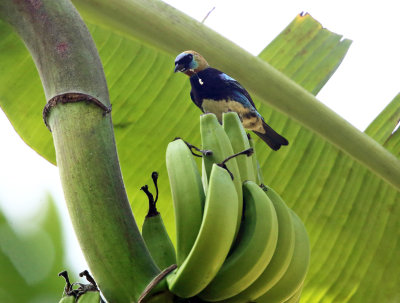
{"x":238,"y":91}
{"x":194,"y":101}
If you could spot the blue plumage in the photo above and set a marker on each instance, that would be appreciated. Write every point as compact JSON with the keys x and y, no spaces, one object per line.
{"x":215,"y":92}
{"x":225,"y":77}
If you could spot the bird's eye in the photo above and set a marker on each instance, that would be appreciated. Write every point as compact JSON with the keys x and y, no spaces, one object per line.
{"x":188,"y":59}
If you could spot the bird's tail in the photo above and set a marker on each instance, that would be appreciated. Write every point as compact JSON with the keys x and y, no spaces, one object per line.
{"x":271,"y":137}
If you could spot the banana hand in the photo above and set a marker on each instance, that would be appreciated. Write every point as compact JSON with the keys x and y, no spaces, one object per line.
{"x":281,"y":258}
{"x":297,"y":270}
{"x":214,"y":239}
{"x":253,"y":249}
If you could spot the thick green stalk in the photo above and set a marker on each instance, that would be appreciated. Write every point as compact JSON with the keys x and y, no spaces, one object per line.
{"x":67,"y":61}
{"x":163,"y":26}
{"x":97,"y":201}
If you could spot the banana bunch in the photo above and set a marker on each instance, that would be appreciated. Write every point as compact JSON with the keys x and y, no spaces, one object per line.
{"x":85,"y":293}
{"x":236,"y":240}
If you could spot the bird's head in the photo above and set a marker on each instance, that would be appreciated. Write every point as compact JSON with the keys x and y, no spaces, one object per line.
{"x":190,"y":63}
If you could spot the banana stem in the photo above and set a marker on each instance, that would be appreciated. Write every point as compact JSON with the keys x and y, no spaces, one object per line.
{"x":154,"y":176}
{"x":69,"y":65}
{"x":248,"y":152}
{"x":89,"y":278}
{"x":152,"y":203}
{"x":152,"y":286}
{"x":68,"y":285}
{"x":204,"y":152}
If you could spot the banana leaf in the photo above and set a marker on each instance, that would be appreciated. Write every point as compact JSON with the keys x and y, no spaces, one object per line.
{"x":30,"y":260}
{"x":350,"y":212}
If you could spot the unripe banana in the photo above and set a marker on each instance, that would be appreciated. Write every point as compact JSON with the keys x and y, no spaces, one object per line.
{"x":90,"y":297}
{"x":282,"y":255}
{"x":297,"y":270}
{"x":240,"y":142}
{"x":252,"y":250}
{"x":286,"y":241}
{"x":67,"y":299}
{"x":295,"y":298}
{"x":157,"y":239}
{"x":214,"y":239}
{"x":187,"y":194}
{"x":154,"y":233}
{"x":204,"y":176}
{"x":256,"y":165}
{"x":214,"y":138}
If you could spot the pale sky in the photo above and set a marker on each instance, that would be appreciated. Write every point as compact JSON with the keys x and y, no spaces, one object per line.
{"x":365,"y":82}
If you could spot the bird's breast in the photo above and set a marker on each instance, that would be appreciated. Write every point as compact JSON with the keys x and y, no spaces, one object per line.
{"x":250,"y":119}
{"x":218,"y":107}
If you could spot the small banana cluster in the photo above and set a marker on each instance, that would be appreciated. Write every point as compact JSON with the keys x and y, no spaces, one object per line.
{"x":85,"y":293}
{"x":236,"y":240}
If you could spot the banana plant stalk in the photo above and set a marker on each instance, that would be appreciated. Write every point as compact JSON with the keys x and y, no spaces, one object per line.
{"x":78,"y":115}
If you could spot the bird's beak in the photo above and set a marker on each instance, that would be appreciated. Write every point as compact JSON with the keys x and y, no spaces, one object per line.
{"x":179,"y":68}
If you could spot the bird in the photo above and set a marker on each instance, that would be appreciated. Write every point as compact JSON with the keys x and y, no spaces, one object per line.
{"x":215,"y":92}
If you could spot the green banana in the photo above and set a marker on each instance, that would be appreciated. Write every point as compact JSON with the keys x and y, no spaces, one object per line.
{"x":253,"y":249}
{"x":214,"y":238}
{"x":158,"y":242}
{"x":296,"y":296}
{"x":286,"y":240}
{"x":214,"y":138}
{"x":204,"y":176}
{"x":256,"y":165}
{"x":154,"y":233}
{"x":67,"y":299}
{"x":282,"y":255}
{"x":187,"y":194}
{"x":90,"y":296}
{"x":240,"y":142}
{"x":297,"y":270}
